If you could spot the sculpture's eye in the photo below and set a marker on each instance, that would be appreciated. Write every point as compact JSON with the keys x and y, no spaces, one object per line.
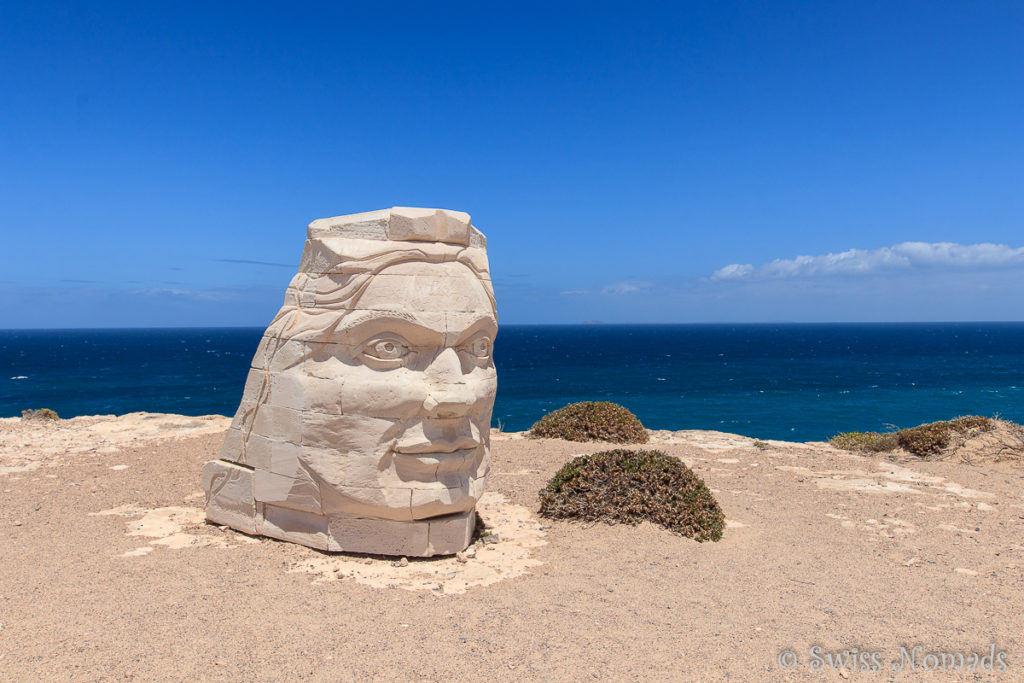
{"x":389,"y":349}
{"x":479,"y":348}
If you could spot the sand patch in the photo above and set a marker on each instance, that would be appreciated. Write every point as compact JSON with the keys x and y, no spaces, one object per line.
{"x":887,"y":527}
{"x":889,"y":478}
{"x":707,"y":440}
{"x":963,"y":492}
{"x":170,"y":527}
{"x":868,"y":485}
{"x":20,"y":467}
{"x":898,"y":473}
{"x":518,"y":533}
{"x":29,"y":444}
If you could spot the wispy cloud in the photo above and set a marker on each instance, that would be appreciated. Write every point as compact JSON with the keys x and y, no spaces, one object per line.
{"x":196,"y":294}
{"x":254,"y":263}
{"x":626,"y":287}
{"x":904,"y":256}
{"x":574,"y":292}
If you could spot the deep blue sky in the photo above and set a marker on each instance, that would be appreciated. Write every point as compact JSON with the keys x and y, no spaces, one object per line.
{"x":631,"y":162}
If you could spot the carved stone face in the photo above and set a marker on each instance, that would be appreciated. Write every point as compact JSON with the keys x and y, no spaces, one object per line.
{"x":416,"y":385}
{"x":364,"y":424}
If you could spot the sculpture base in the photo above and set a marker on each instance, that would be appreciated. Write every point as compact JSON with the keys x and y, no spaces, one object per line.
{"x":230,"y":501}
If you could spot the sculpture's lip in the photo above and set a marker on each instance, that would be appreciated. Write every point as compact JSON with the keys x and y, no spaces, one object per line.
{"x":429,"y":448}
{"x":426,"y":466}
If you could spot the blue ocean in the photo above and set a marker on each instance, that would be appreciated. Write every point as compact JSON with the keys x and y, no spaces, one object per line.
{"x":797,"y":382}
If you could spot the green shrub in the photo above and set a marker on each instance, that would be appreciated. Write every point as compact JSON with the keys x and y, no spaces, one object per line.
{"x":40,"y":414}
{"x":633,"y":486}
{"x":923,"y":440}
{"x":591,"y":421}
{"x":871,"y":442}
{"x":929,"y":439}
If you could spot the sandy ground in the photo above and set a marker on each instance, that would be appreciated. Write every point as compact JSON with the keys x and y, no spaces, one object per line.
{"x":107,"y":572}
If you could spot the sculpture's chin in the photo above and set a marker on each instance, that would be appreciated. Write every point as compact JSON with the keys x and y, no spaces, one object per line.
{"x":440,"y":500}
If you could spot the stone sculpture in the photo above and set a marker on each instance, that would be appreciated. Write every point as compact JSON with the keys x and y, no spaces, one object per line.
{"x":364,"y":425}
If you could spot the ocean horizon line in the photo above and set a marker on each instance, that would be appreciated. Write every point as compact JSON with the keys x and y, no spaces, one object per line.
{"x":589,"y":323}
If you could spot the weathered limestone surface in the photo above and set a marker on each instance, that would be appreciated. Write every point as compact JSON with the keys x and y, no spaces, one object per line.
{"x":364,"y":425}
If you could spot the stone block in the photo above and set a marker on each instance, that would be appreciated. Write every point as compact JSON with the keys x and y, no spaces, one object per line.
{"x":428,"y":225}
{"x":435,"y":501}
{"x":452,"y":533}
{"x":370,"y":225}
{"x":278,"y":354}
{"x":297,"y":492}
{"x":285,"y":524}
{"x":379,"y":536}
{"x":277,"y":423}
{"x":229,"y":495}
{"x":231,"y":449}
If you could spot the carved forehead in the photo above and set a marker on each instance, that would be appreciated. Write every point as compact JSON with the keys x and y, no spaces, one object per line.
{"x":417,"y":287}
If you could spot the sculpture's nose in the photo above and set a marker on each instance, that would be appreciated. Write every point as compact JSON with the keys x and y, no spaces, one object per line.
{"x":449,"y":394}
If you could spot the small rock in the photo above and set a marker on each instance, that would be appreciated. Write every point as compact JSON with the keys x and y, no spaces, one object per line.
{"x":470,"y":553}
{"x":16,"y":523}
{"x":492,"y":538}
{"x":368,"y":561}
{"x":461,"y":557}
{"x":404,"y":562}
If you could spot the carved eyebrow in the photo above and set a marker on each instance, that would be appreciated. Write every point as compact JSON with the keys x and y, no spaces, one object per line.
{"x":485,"y":322}
{"x":359,"y":317}
{"x":393,"y":321}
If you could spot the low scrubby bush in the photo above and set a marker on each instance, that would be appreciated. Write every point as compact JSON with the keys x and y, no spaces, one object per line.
{"x":40,"y":414}
{"x":923,"y":440}
{"x":633,"y":486}
{"x":871,"y":442}
{"x":929,"y":439}
{"x":591,"y":421}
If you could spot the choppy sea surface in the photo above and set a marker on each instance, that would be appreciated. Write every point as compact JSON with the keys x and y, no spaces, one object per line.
{"x":788,"y":381}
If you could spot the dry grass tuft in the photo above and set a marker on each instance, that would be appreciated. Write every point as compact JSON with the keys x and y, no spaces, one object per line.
{"x":865,"y":442}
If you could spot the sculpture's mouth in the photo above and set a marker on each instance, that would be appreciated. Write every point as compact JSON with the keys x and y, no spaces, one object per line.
{"x":424,"y":446}
{"x":429,"y":465}
{"x":432,"y":448}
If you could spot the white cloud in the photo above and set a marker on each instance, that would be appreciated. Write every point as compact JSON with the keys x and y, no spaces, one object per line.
{"x":626,"y":287}
{"x":904,"y":256}
{"x":198,"y":295}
